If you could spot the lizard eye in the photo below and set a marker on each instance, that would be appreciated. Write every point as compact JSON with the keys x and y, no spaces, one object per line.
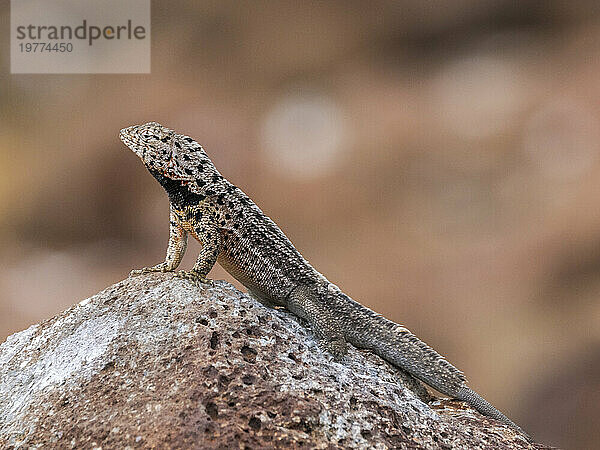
{"x":147,"y":135}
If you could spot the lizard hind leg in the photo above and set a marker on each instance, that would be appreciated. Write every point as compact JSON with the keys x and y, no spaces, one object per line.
{"x":330,"y":337}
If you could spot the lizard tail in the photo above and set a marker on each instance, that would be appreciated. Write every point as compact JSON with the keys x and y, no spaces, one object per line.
{"x":404,"y":350}
{"x":484,"y":407}
{"x":400,"y":347}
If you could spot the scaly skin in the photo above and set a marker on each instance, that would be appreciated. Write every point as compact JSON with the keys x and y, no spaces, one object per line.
{"x":252,"y":248}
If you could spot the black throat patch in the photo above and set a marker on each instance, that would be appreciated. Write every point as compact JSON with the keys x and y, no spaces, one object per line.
{"x":178,"y":192}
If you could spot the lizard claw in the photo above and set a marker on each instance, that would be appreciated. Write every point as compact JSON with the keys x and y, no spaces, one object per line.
{"x":193,"y":276}
{"x":158,"y":268}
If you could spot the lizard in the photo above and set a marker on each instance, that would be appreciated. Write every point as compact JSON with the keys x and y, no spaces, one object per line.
{"x":235,"y":232}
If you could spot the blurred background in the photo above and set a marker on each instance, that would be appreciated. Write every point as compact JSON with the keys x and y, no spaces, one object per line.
{"x":439,"y":161}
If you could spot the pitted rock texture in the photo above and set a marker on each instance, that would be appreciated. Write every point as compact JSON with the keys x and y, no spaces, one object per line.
{"x":156,"y":362}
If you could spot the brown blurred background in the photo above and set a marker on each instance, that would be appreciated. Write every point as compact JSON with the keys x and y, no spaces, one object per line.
{"x":439,"y":161}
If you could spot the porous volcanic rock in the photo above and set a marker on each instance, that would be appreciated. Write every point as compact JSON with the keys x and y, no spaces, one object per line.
{"x":156,"y":362}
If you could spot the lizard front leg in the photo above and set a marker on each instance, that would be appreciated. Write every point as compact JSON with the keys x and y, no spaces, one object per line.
{"x":175,"y":249}
{"x":206,"y":231}
{"x":305,"y":303}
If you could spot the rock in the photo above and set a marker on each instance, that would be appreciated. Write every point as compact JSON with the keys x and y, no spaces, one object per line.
{"x":155,"y":362}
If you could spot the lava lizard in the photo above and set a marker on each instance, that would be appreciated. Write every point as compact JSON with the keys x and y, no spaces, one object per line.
{"x":252,"y":248}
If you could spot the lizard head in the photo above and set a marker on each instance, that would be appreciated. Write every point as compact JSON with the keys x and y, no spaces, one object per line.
{"x":164,"y":151}
{"x":177,"y":162}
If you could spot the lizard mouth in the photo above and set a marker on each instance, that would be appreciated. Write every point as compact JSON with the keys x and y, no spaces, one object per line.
{"x":128,"y":135}
{"x":129,"y":138}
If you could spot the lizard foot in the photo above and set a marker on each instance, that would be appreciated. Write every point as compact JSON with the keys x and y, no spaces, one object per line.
{"x":158,"y":268}
{"x":193,"y":276}
{"x":338,"y":347}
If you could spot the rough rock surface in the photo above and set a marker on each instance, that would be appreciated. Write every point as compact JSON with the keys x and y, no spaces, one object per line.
{"x":155,"y":362}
